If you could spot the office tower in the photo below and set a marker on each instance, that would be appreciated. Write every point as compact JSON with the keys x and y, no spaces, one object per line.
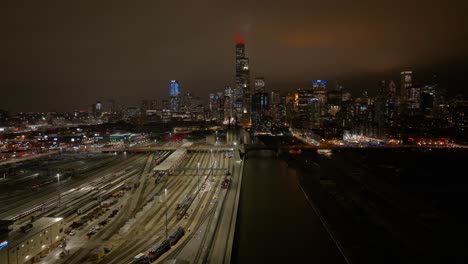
{"x":405,"y":83}
{"x":334,"y":99}
{"x":228,"y":105}
{"x":259,"y":85}
{"x":174,"y":95}
{"x":260,"y":111}
{"x":217,"y":106}
{"x":242,"y":87}
{"x":308,"y":108}
{"x":427,"y":94}
{"x":97,"y":109}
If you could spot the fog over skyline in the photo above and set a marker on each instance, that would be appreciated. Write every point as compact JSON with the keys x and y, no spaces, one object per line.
{"x":62,"y":56}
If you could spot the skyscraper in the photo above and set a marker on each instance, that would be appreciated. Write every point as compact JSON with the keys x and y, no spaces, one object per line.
{"x":174,"y":88}
{"x":406,"y":82}
{"x":242,"y":88}
{"x":97,"y":109}
{"x":410,"y":91}
{"x":259,"y":85}
{"x":260,"y":110}
{"x":174,"y":95}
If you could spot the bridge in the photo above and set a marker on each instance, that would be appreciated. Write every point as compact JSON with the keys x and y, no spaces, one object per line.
{"x":152,"y":149}
{"x":278,"y":149}
{"x":275,"y":148}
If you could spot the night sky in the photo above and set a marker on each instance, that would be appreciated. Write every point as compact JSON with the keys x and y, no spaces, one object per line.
{"x":63,"y":55}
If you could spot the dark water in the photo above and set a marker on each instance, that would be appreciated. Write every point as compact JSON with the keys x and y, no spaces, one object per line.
{"x":275,"y":223}
{"x":406,"y":205}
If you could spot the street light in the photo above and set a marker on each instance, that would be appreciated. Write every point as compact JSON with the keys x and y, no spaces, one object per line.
{"x":165,"y":195}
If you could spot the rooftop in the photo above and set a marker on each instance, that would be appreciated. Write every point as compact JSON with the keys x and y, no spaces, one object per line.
{"x":17,"y":236}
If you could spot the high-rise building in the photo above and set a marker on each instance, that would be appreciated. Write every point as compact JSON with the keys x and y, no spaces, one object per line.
{"x":410,"y":92}
{"x":259,"y":85}
{"x":319,"y":88}
{"x":217,"y":106}
{"x":97,"y":109}
{"x":406,"y":82}
{"x":242,"y":88}
{"x":228,"y":105}
{"x":320,"y":91}
{"x":174,"y":88}
{"x":260,"y":111}
{"x":427,"y":94}
{"x":174,"y":92}
{"x":308,"y":109}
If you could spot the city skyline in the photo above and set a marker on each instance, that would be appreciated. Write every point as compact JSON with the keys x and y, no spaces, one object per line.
{"x":82,"y":60}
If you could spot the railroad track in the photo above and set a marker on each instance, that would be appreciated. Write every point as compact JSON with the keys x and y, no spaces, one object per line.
{"x":148,"y":241}
{"x":76,"y":185}
{"x":139,"y":243}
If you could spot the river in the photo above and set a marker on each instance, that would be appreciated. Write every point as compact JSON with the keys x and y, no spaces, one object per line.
{"x":275,"y":223}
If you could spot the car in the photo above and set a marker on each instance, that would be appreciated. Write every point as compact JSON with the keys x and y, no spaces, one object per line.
{"x":72,"y":233}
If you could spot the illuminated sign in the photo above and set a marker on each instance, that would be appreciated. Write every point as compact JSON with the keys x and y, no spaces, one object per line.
{"x":319,"y":82}
{"x":3,"y":245}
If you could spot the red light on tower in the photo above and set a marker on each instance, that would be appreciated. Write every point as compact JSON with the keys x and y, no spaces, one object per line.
{"x":240,"y":39}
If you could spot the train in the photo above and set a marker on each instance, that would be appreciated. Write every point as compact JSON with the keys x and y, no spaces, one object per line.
{"x":174,"y":237}
{"x":160,"y":249}
{"x":183,"y":208}
{"x":162,"y":157}
{"x":225,"y":183}
{"x":184,"y":201}
{"x":141,"y":259}
{"x":87,"y":207}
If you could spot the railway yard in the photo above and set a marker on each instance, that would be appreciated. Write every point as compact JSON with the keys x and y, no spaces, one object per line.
{"x":124,"y":207}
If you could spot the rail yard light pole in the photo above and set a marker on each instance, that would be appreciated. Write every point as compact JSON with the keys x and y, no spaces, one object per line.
{"x":58,"y":187}
{"x":198,"y":168}
{"x":165,"y":195}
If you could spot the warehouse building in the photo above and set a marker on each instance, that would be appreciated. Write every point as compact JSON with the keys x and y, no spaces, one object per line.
{"x":30,"y":242}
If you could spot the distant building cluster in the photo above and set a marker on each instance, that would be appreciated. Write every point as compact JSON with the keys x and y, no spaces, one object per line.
{"x":324,"y":108}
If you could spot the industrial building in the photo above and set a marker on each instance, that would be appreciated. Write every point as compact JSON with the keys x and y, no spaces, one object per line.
{"x":30,"y":242}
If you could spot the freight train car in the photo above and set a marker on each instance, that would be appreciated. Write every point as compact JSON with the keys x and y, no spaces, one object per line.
{"x":180,"y":232}
{"x":160,"y":249}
